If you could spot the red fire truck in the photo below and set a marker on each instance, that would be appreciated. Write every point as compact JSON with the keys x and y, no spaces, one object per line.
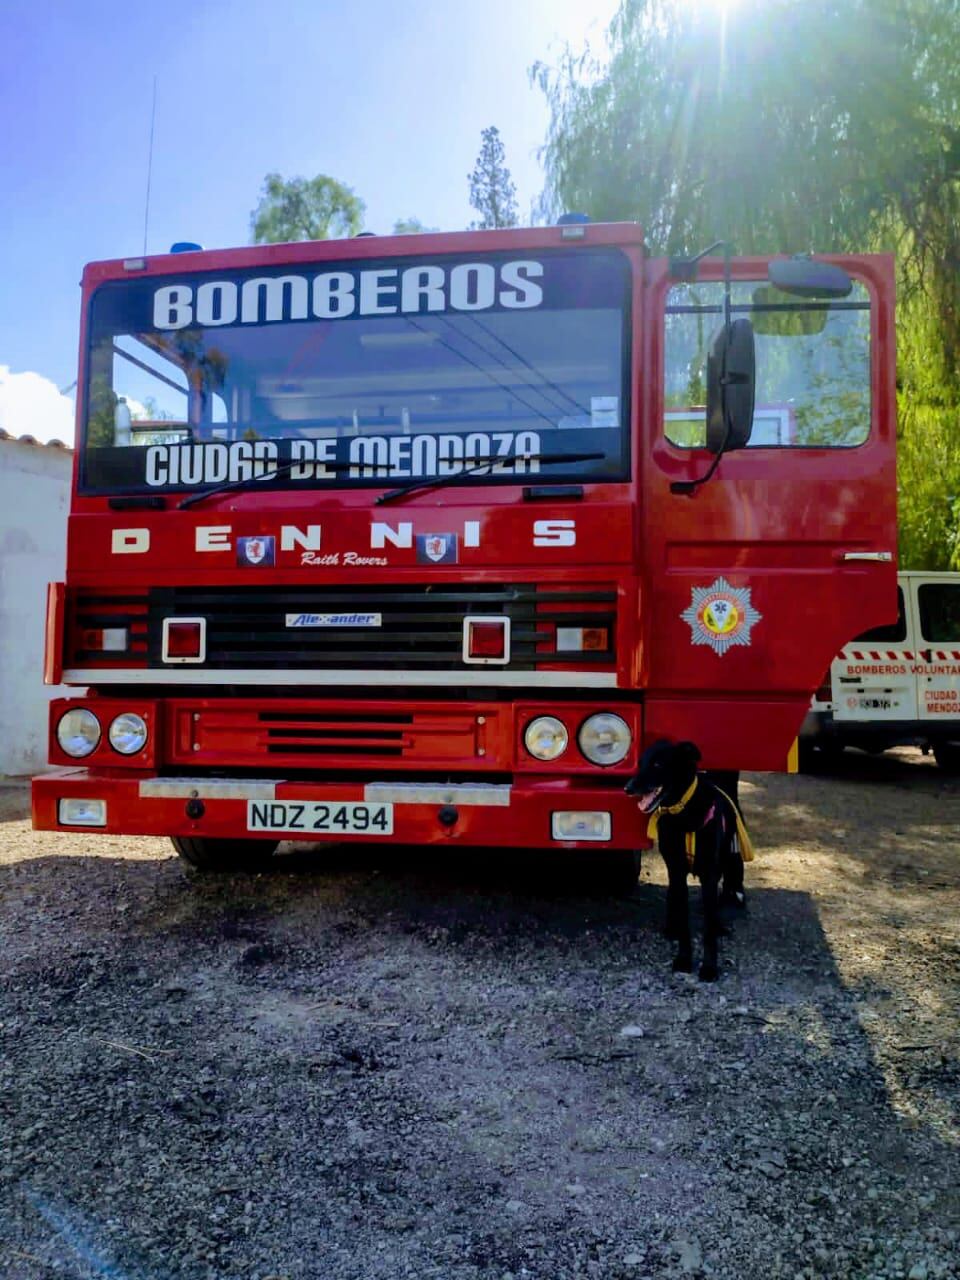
{"x":422,"y":538}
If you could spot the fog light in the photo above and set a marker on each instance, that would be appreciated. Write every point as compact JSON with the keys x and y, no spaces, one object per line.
{"x":82,"y":813}
{"x":604,"y":738}
{"x":78,"y":732}
{"x":128,"y":733}
{"x":184,"y":640}
{"x":578,"y":824}
{"x":546,"y":738}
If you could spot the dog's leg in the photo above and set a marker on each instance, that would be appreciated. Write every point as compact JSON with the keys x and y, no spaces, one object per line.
{"x":732,"y":868}
{"x":678,"y":910}
{"x":733,"y":893}
{"x":709,"y":887}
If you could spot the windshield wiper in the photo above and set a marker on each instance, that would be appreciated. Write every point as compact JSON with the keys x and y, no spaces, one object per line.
{"x":233,"y":486}
{"x":436,"y":482}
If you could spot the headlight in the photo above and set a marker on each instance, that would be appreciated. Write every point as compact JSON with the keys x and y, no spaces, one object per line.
{"x":78,"y":732}
{"x":604,"y":738}
{"x":128,"y":734}
{"x":546,"y":738}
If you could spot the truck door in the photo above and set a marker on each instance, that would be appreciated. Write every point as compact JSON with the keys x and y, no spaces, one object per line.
{"x":936,"y":602}
{"x":757,"y":579}
{"x":874,"y":677}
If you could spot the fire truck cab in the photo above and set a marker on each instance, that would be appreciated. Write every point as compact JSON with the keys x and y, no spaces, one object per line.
{"x":424,"y":538}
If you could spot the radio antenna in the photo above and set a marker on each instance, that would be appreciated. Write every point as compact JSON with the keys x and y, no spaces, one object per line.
{"x":146,"y":209}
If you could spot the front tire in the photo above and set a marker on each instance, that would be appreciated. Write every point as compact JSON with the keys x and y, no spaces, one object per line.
{"x":614,"y":873}
{"x":206,"y":854}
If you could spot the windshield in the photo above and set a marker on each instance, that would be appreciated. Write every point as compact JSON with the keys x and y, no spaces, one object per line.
{"x":360,"y":374}
{"x":813,"y":364}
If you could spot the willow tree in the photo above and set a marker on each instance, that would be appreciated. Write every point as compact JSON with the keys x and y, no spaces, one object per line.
{"x":779,"y":126}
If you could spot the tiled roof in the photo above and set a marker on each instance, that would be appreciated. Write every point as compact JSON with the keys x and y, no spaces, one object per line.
{"x":51,"y":444}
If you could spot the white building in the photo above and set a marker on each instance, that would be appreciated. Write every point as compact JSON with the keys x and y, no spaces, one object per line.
{"x":34,"y":501}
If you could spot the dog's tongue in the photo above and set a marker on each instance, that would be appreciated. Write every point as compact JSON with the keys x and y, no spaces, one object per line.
{"x":647,"y":800}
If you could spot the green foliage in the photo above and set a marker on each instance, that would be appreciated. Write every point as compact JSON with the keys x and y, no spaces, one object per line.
{"x":103,"y":405}
{"x":832,"y":125}
{"x":492,"y":192}
{"x":928,"y":447}
{"x":150,"y":411}
{"x":770,"y":123}
{"x":410,"y":227}
{"x":305,"y":209}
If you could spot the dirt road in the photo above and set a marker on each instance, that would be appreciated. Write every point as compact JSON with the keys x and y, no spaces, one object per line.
{"x":375,"y":1065}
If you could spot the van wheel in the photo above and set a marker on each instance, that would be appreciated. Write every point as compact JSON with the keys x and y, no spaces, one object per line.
{"x":824,"y":756}
{"x":205,"y":854}
{"x":947,"y":755}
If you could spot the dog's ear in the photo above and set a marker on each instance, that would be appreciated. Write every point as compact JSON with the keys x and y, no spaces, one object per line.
{"x":689,"y":753}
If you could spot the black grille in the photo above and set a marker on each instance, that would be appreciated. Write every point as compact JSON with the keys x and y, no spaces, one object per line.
{"x":96,"y":611}
{"x":326,"y":733}
{"x":421,"y":625}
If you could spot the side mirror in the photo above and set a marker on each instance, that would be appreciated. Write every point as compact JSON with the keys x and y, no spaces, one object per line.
{"x":805,"y":278}
{"x":731,"y":383}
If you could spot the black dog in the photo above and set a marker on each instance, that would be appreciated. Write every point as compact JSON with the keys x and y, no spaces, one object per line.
{"x":699,"y":830}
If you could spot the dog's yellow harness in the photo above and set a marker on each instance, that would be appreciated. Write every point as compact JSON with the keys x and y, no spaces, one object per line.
{"x":743,"y":836}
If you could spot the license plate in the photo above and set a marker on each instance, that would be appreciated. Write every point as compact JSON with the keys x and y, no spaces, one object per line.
{"x":311,"y":817}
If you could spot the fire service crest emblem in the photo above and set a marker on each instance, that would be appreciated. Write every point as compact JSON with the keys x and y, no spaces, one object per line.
{"x":256,"y":550}
{"x":721,"y":616}
{"x":437,"y":548}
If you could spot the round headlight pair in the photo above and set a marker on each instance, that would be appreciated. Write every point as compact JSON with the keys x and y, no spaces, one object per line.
{"x":128,"y":733}
{"x":78,"y":733}
{"x":603,"y":738}
{"x":546,"y":738}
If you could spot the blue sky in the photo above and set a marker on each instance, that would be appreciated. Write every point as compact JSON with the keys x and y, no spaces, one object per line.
{"x":390,"y":98}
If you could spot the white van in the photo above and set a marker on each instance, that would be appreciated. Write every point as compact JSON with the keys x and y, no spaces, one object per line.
{"x":899,"y":684}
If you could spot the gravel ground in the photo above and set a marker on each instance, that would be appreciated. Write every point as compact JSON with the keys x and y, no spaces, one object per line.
{"x":374,"y":1065}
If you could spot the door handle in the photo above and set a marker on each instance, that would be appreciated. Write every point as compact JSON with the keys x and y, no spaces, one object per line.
{"x":883,"y":556}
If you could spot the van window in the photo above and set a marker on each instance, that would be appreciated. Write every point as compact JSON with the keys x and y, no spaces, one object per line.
{"x":940,"y":612}
{"x":893,"y":632}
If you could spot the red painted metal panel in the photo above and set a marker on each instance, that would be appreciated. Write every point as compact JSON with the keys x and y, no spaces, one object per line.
{"x":620,"y":234}
{"x":743,"y":729}
{"x":776,"y":522}
{"x":201,"y":542}
{"x":524,"y":823}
